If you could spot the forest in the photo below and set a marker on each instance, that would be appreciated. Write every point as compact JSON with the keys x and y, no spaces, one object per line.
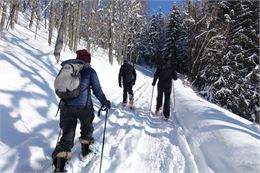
{"x":214,"y":44}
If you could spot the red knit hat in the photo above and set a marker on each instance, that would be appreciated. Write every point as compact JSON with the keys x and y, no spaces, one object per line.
{"x":84,"y":55}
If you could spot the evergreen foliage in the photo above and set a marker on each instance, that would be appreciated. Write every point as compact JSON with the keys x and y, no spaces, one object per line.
{"x":172,"y":33}
{"x":228,"y":66}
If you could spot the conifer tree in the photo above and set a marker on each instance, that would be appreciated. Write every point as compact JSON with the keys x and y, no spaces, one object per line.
{"x":154,"y":40}
{"x":242,"y":59}
{"x":172,"y":34}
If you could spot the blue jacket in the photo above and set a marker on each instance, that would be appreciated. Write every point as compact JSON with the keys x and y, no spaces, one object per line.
{"x":89,"y":79}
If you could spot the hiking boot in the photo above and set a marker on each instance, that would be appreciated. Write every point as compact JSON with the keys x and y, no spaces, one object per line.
{"x":60,"y":159}
{"x":84,"y":156}
{"x":166,"y":118}
{"x":131,"y":98}
{"x":59,"y":163}
{"x":158,"y":113}
{"x":85,"y":149}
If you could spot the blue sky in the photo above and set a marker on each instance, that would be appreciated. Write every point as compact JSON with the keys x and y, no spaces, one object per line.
{"x":166,"y":5}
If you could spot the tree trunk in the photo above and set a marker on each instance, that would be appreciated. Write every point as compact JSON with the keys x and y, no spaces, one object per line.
{"x":13,"y":15}
{"x":2,"y":23}
{"x":257,"y":118}
{"x":111,"y":32}
{"x":61,"y":33}
{"x":45,"y":13}
{"x":71,"y":27}
{"x":78,"y":25}
{"x":51,"y":22}
{"x":34,"y":7}
{"x":1,"y":3}
{"x":89,"y":24}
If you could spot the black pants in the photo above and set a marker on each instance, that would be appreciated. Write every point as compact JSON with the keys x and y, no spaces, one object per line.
{"x":166,"y":91}
{"x":68,"y":122}
{"x":127,"y":88}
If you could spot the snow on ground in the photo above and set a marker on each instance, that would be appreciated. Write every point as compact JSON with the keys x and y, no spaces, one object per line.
{"x":200,"y":137}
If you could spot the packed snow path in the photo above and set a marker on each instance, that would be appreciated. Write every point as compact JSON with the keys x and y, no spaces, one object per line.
{"x":139,"y":142}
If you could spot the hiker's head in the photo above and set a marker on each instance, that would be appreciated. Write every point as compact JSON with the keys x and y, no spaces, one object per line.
{"x":167,"y":59}
{"x":84,"y":55}
{"x":125,"y":61}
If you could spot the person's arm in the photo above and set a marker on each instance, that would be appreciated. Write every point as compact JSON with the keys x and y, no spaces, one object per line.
{"x":134,"y":74}
{"x":174,"y":76}
{"x":156,"y":76}
{"x":120,"y":77}
{"x":97,"y":90}
{"x":174,"y":73}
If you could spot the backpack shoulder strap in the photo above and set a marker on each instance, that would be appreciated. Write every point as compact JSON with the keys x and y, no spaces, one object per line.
{"x":89,"y":92}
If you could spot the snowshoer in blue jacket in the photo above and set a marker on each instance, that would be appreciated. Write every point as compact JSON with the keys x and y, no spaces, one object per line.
{"x":79,"y":108}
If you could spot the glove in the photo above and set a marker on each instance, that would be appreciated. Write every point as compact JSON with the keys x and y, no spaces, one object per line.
{"x":120,"y":85}
{"x":107,"y":104}
{"x":153,"y":83}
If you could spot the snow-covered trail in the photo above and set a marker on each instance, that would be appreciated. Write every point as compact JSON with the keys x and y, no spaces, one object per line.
{"x":139,"y":142}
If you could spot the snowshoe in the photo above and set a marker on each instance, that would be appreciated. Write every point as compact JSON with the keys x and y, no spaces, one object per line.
{"x":124,"y":104}
{"x":92,"y":155}
{"x":85,"y":156}
{"x":166,"y":119}
{"x":157,"y":113}
{"x":131,"y":103}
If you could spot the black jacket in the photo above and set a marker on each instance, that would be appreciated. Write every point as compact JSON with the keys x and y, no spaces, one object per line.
{"x":165,"y":73}
{"x":128,"y":73}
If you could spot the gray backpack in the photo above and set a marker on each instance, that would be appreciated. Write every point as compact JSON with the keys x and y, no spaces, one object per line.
{"x":67,"y":82}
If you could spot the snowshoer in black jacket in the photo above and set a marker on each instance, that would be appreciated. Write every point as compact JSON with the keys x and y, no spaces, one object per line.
{"x":165,"y":73}
{"x":128,"y":73}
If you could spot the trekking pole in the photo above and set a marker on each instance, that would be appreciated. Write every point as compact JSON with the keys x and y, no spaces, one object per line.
{"x":104,"y":134}
{"x":151,"y":102}
{"x":59,"y":137}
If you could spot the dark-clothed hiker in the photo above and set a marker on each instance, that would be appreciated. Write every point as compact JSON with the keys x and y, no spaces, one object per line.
{"x":165,"y":73}
{"x":78,"y":108}
{"x":128,"y":74}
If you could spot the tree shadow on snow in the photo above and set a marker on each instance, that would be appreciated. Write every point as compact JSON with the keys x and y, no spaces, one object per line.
{"x":20,"y":143}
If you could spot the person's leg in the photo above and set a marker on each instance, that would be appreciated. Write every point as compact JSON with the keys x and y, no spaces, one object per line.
{"x":125,"y":89}
{"x":86,"y":117}
{"x":167,"y":100}
{"x":130,"y":92}
{"x":68,"y":124}
{"x":159,"y":98}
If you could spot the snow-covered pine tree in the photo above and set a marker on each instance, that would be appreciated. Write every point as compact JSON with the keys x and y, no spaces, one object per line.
{"x":173,"y":34}
{"x":182,"y":42}
{"x":154,"y":40}
{"x":227,"y":68}
{"x":242,"y":60}
{"x":208,"y":69}
{"x":186,"y":38}
{"x":162,"y":26}
{"x":144,"y":47}
{"x":136,"y":22}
